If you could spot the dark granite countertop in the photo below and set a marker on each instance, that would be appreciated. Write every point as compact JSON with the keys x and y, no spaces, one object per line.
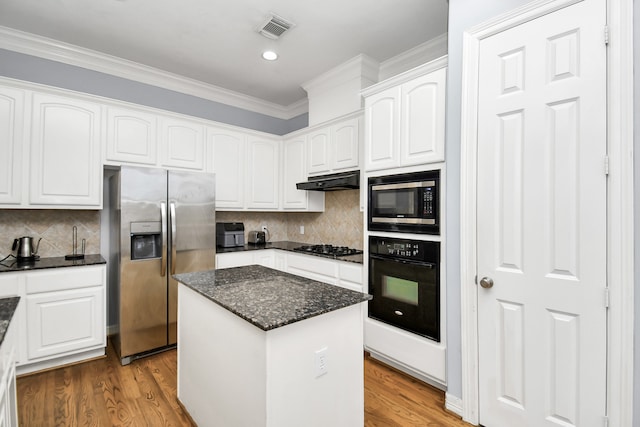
{"x":7,"y":308}
{"x":286,"y":245}
{"x":11,"y":264}
{"x":269,"y":298}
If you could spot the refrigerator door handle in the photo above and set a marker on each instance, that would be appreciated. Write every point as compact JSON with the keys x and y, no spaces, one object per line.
{"x":163,"y":216}
{"x":172,"y":218}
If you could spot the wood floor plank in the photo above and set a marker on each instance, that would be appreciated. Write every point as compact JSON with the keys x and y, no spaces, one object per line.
{"x":102,"y":392}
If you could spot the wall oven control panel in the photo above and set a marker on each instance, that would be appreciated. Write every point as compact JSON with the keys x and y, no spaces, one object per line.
{"x":414,"y":250}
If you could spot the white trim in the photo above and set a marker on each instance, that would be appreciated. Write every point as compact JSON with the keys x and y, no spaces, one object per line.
{"x":359,"y":67}
{"x":42,"y":47}
{"x":453,"y":404}
{"x":468,"y":291}
{"x":414,"y":57}
{"x":409,"y":75}
{"x":620,"y":214}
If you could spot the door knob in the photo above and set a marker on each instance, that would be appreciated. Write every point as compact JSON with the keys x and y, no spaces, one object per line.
{"x":486,"y":282}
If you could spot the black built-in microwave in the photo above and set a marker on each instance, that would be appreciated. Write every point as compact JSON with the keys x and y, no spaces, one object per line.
{"x":408,"y":203}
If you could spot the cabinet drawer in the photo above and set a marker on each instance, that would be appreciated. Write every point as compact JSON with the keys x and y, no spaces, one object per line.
{"x":315,"y":268}
{"x":64,"y":278}
{"x":9,"y":285}
{"x":350,"y":272}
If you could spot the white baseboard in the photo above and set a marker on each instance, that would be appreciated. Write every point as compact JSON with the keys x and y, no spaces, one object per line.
{"x":453,"y":404}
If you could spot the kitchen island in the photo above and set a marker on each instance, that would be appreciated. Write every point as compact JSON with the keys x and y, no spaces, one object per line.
{"x":260,"y":347}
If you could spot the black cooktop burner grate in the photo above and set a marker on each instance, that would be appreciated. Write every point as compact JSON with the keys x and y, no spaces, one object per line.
{"x":328,"y":250}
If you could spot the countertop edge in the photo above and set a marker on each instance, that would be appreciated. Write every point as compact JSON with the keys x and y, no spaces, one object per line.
{"x":50,"y":262}
{"x":197,"y":286}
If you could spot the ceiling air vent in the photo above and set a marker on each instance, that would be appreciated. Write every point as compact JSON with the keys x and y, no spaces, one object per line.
{"x":275,"y":27}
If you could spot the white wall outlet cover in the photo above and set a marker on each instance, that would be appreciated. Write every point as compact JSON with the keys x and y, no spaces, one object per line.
{"x":321,"y":362}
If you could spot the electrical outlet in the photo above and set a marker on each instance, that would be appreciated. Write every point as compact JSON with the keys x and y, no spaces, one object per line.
{"x":321,"y":362}
{"x":264,"y":228}
{"x":302,"y":229}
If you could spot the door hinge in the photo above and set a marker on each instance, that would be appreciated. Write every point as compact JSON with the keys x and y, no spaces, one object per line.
{"x":606,"y":165}
{"x":606,"y":298}
{"x":606,"y":34}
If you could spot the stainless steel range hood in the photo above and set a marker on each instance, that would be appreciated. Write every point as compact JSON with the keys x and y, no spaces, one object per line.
{"x":333,"y":182}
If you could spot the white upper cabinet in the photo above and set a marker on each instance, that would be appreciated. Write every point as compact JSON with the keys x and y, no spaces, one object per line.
{"x":294,"y":155}
{"x":11,"y":134}
{"x":334,"y":147}
{"x":345,"y":142}
{"x":405,"y":122}
{"x":263,"y":171}
{"x":382,"y":129}
{"x":182,"y":144}
{"x":65,"y":152}
{"x":229,"y":158}
{"x":319,"y":151}
{"x":131,"y":136}
{"x":423,"y":119}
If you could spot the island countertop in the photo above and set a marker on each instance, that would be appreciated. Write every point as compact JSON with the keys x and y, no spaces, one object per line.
{"x":269,"y":298}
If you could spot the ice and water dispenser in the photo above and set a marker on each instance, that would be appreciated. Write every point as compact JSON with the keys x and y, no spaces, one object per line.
{"x":146,"y":240}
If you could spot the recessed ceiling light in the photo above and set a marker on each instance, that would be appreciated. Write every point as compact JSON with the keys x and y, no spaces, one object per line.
{"x":269,"y":55}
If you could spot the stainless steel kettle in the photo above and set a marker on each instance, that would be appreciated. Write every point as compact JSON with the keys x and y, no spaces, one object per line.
{"x":24,"y":245}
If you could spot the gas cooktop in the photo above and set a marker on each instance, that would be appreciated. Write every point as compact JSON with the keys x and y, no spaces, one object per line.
{"x":330,"y":250}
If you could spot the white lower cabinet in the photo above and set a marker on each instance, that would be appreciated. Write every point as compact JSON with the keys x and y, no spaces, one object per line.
{"x":312,"y":267}
{"x":334,"y":272}
{"x":233,"y":259}
{"x":8,"y":398}
{"x":64,"y":321}
{"x":61,"y":317}
{"x":263,"y":257}
{"x":65,"y":311}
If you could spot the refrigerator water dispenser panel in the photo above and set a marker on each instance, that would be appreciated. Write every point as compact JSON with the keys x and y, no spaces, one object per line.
{"x":146,"y":240}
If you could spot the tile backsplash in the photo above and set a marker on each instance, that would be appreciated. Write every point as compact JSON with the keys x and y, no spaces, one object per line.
{"x":340,"y":224}
{"x":54,"y":226}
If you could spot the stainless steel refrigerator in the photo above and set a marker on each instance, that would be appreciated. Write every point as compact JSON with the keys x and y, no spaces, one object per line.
{"x":162,"y":223}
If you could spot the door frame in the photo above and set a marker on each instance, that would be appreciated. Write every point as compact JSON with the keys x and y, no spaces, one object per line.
{"x":620,"y":248}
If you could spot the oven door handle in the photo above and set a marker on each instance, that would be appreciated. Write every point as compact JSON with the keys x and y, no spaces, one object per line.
{"x":429,"y":265}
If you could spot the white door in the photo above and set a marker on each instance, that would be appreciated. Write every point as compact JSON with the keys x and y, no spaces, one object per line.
{"x":541,"y":213}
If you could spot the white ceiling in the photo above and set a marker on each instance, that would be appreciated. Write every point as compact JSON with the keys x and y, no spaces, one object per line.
{"x":216,"y":41}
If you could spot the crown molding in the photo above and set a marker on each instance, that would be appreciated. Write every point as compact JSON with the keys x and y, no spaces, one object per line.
{"x":406,"y":76}
{"x":425,"y":52}
{"x":42,"y":47}
{"x":358,"y":67}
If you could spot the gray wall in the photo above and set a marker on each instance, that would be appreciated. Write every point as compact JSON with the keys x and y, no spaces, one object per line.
{"x":52,"y":73}
{"x":463,"y":14}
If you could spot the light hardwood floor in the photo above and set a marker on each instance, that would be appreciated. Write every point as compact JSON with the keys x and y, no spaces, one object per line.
{"x":104,"y":393}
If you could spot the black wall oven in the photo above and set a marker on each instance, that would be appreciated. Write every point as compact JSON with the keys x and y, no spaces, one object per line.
{"x":404,"y":279}
{"x":407,"y":203}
